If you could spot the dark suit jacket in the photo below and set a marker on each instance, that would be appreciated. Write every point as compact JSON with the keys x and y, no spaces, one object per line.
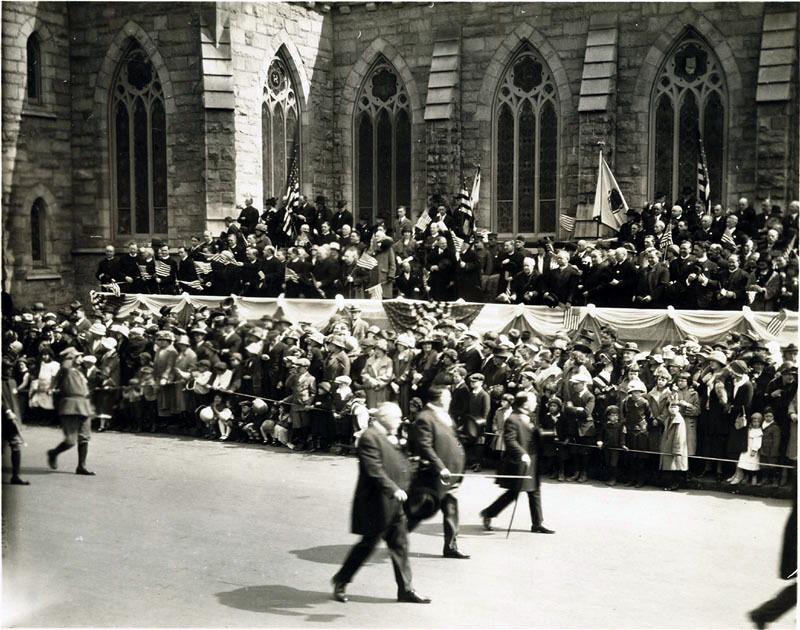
{"x":520,"y":438}
{"x":382,"y":470}
{"x":437,"y":444}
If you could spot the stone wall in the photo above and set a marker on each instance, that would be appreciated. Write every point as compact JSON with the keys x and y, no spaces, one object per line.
{"x":100,"y":36}
{"x":36,"y":154}
{"x":304,"y":38}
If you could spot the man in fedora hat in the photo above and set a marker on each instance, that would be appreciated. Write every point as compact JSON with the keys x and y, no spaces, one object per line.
{"x":384,"y":475}
{"x":433,"y":438}
{"x":521,"y":437}
{"x":74,"y":411}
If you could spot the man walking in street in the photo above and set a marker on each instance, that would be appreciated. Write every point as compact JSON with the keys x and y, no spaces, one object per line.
{"x":383,"y":479}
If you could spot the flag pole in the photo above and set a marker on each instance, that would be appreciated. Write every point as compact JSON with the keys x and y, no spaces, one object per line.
{"x":598,"y":220}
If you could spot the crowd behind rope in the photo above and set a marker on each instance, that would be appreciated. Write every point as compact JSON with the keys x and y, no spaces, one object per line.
{"x":680,"y":255}
{"x":617,"y":413}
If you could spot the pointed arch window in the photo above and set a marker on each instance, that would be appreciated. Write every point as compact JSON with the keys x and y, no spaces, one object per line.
{"x":280,"y":129}
{"x":525,"y":124}
{"x":689,"y":102}
{"x":38,"y":223}
{"x":382,"y":144}
{"x":139,"y":146}
{"x":34,"y":63}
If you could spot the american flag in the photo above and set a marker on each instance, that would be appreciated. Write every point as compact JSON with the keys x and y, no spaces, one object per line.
{"x":424,"y":221}
{"x":162,"y":269}
{"x":665,"y":241}
{"x":112,"y":288}
{"x":376,"y":292}
{"x":458,"y":243}
{"x":194,"y":284}
{"x":202,"y":268}
{"x":366,"y":261}
{"x":218,"y":258}
{"x":566,"y":222}
{"x":727,"y":239}
{"x":572,"y":318}
{"x":143,"y":271}
{"x":703,"y":180}
{"x":778,"y":323}
{"x":292,"y":194}
{"x":290,"y":275}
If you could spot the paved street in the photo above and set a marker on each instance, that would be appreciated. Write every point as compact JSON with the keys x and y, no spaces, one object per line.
{"x":184,"y":533}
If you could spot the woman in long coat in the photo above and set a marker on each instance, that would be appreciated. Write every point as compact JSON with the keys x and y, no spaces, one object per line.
{"x":739,"y":416}
{"x":403,"y":370}
{"x":377,"y":374}
{"x":715,"y":418}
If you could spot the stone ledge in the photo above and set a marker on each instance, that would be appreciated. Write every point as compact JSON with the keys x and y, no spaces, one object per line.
{"x":42,"y":274}
{"x":39,"y":113}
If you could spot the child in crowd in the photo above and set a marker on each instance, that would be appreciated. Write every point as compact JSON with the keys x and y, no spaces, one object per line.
{"x":222,"y":415}
{"x":340,"y":400}
{"x":749,"y":461}
{"x":611,"y":438}
{"x":636,"y":418}
{"x":673,"y":446}
{"x":770,"y":447}
{"x":283,"y":428}
{"x":149,"y":391}
{"x":554,"y":455}
{"x":131,"y":406}
{"x":500,"y":416}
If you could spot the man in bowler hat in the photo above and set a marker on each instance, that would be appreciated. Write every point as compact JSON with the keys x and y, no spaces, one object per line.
{"x":521,"y":438}
{"x":383,"y":479}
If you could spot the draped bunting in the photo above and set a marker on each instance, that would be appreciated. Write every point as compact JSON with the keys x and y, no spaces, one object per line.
{"x":404,"y":314}
{"x":648,"y":327}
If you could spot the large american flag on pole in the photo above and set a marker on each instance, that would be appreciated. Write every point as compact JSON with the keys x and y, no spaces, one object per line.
{"x":703,"y":180}
{"x":292,"y":195}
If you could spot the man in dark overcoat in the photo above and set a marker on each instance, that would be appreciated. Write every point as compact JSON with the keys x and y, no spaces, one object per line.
{"x":384,"y":475}
{"x":521,"y":438}
{"x":434,"y":439}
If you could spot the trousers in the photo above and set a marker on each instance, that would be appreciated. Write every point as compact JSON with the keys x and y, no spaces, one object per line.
{"x":449,"y":508}
{"x":507,"y":498}
{"x":396,"y":537}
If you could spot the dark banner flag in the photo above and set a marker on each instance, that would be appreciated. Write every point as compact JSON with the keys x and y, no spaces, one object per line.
{"x":407,"y":315}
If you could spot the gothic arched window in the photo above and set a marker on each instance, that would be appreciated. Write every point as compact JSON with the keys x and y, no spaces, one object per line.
{"x":280,"y":129}
{"x":525,"y":123}
{"x":38,"y":222}
{"x":689,"y":100}
{"x":139,"y":146}
{"x":382,"y":140}
{"x":34,"y":61}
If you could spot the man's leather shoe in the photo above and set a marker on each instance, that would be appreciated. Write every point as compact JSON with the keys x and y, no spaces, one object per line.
{"x":51,"y":459}
{"x":487,"y":522}
{"x":80,"y":470}
{"x":412,"y":597}
{"x":455,"y":553}
{"x":338,"y":591}
{"x":542,"y":530}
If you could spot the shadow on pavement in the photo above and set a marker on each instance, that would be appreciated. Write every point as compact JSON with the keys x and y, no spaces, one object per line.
{"x":335,"y":554}
{"x":284,"y":600}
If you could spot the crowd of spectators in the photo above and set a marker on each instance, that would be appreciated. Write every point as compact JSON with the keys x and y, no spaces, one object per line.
{"x":679,"y":255}
{"x":289,"y":384}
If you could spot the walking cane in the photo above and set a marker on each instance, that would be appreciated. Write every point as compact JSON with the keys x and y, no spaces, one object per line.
{"x":514,"y":511}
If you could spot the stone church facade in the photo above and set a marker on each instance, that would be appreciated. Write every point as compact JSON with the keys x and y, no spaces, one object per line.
{"x":133,"y":121}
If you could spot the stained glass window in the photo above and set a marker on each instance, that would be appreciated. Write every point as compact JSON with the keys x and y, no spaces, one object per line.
{"x":383,"y":145}
{"x":34,"y":59}
{"x":526,"y":153}
{"x":139,"y":152}
{"x":688,"y":104}
{"x":280,"y":128}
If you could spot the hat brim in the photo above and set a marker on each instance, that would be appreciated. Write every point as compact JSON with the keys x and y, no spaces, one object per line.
{"x":422,"y":503}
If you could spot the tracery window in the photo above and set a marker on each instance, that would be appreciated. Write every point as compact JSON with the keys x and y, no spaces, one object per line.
{"x":38,"y":223}
{"x":139,"y":146}
{"x":34,"y":63}
{"x":280,"y":130}
{"x":382,"y":145}
{"x":525,"y":123}
{"x":689,"y":102}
